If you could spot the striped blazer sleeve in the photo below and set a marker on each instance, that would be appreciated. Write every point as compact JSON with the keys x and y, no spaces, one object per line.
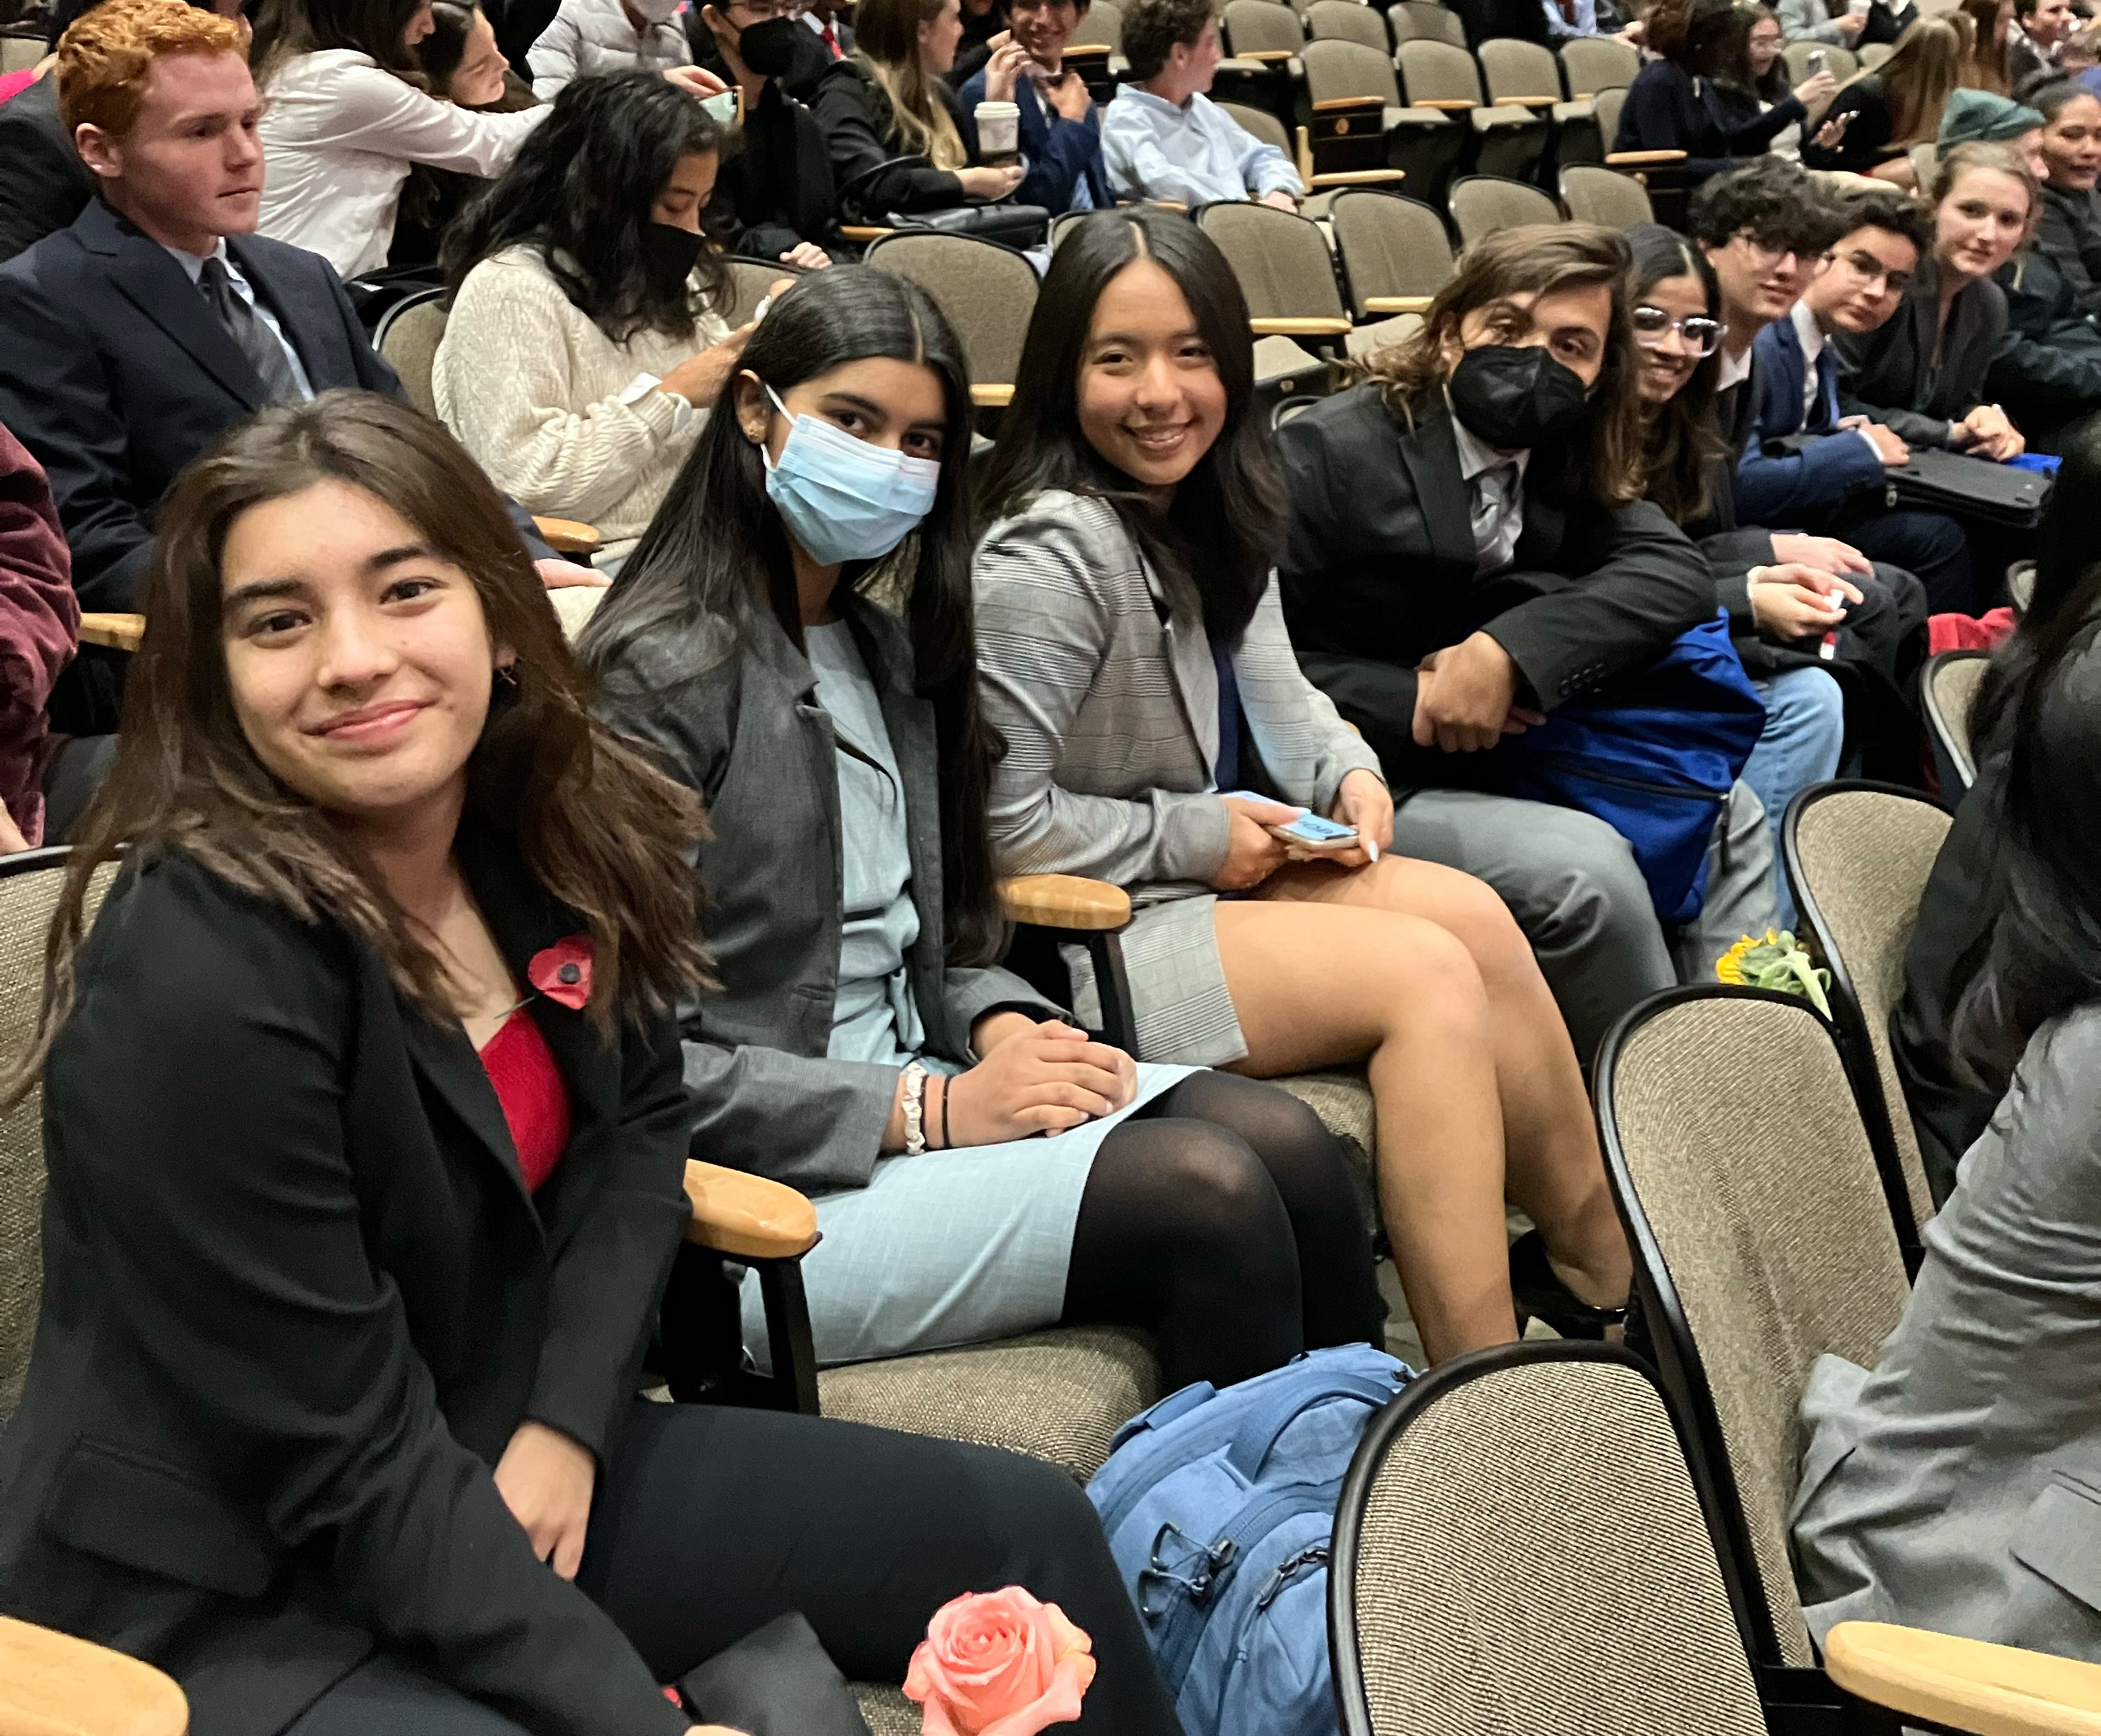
{"x":1303,"y":741}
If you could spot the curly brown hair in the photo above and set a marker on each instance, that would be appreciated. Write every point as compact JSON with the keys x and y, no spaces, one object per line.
{"x":1152,"y":27}
{"x":598,"y":827}
{"x":1535,"y":259}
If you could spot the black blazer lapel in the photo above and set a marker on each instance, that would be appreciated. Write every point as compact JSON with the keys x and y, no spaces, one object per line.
{"x":315,"y":332}
{"x":147,"y":275}
{"x":445,"y":1057}
{"x":1431,"y":456}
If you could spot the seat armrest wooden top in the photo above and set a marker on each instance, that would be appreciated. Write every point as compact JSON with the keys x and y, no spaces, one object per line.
{"x":1644,"y":157}
{"x":1266,"y":55}
{"x":567,"y":536}
{"x":54,"y":1684}
{"x":1337,"y":104}
{"x":1397,"y":303}
{"x":1449,"y":104}
{"x":989,"y":396}
{"x":1529,"y":102}
{"x":119,"y":632}
{"x":1967,"y":1684}
{"x":1323,"y":327}
{"x":1067,"y":901}
{"x":1360,"y":178}
{"x":865,"y":233}
{"x":744,"y":1215}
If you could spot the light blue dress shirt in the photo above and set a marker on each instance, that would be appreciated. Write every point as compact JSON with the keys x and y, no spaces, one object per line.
{"x":193,"y":265}
{"x":1198,"y":155}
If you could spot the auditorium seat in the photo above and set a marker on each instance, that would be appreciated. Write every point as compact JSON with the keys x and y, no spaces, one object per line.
{"x":1501,"y":140}
{"x":1482,"y":204}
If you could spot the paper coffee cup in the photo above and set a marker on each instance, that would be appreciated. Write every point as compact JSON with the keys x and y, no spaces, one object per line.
{"x":999,"y":130}
{"x":1859,"y":8}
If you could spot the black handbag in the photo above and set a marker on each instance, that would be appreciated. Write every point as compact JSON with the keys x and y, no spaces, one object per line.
{"x":1014,"y":225}
{"x":1977,"y":488}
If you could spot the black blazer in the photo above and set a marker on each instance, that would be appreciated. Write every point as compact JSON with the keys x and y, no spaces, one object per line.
{"x":777,"y":192}
{"x":860,"y":135}
{"x":115,"y":373}
{"x":1378,"y":572}
{"x":47,"y":184}
{"x":296,"y":1299}
{"x":1888,"y":374}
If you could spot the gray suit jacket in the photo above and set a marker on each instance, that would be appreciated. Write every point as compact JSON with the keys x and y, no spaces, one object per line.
{"x":1888,"y":375}
{"x":1958,"y":1486}
{"x":736,"y":718}
{"x":1102,"y":685}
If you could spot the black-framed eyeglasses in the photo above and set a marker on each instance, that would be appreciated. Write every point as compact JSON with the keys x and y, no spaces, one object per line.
{"x":763,"y":12}
{"x":1699,"y":334}
{"x":1768,"y":247}
{"x":1871,"y":271}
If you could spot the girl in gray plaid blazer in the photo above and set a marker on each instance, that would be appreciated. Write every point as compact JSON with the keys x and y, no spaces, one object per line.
{"x":1133,"y":655}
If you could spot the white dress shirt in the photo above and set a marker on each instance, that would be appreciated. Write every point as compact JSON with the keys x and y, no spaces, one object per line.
{"x":339,"y":136}
{"x":1810,"y":337}
{"x":193,"y":265}
{"x":1200,"y":154}
{"x":1495,"y":492}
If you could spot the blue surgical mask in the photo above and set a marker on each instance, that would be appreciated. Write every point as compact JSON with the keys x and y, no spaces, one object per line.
{"x":843,"y":499}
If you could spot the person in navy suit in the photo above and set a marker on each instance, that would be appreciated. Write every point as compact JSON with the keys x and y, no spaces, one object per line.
{"x":1061,"y":129}
{"x":140,"y":334}
{"x":1830,"y":482}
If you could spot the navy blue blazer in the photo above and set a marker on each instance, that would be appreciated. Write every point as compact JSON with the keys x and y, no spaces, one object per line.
{"x":1778,"y":487}
{"x":1061,"y":153}
{"x":116,"y":374}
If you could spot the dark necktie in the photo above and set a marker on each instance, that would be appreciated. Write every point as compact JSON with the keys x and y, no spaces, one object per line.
{"x":1827,"y":391}
{"x":257,"y":342}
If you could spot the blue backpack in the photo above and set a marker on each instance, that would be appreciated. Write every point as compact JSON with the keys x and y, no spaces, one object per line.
{"x":1653,"y":757}
{"x":1218,"y":1506}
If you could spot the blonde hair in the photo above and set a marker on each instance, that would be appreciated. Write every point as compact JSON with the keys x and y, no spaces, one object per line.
{"x":887,"y":42}
{"x":1998,"y":158}
{"x":1918,"y":79}
{"x":106,"y":57}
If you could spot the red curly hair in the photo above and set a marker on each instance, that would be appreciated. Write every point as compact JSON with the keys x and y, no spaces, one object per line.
{"x":106,"y":56}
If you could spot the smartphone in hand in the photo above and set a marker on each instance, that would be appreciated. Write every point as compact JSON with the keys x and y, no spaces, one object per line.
{"x":1311,"y":832}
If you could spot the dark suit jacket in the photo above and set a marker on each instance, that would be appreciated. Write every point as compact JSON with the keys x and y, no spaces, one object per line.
{"x":1775,"y":486}
{"x":1887,"y":374}
{"x":297,"y":1299}
{"x":861,"y":133}
{"x":2047,"y":369}
{"x":777,"y":192}
{"x":1378,"y":572}
{"x":115,"y":373}
{"x":1060,"y":153}
{"x":45,"y":185}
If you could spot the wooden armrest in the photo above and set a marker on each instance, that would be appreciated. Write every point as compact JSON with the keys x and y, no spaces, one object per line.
{"x":1618,"y":159}
{"x":566,"y":536}
{"x":1968,"y":1685}
{"x":1360,"y":178}
{"x":1449,"y":104}
{"x":864,"y":233}
{"x":1266,"y":55}
{"x":1064,"y":901}
{"x":1296,"y":328}
{"x":1368,"y":104}
{"x":119,"y":632}
{"x":992,"y":397}
{"x":746,"y":1215}
{"x":53,"y":1684}
{"x":1528,"y":102}
{"x":1398,"y":303}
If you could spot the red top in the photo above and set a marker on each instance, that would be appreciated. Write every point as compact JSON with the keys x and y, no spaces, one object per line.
{"x":535,"y":1099}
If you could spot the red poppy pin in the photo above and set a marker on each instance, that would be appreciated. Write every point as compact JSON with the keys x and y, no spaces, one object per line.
{"x":563,"y":972}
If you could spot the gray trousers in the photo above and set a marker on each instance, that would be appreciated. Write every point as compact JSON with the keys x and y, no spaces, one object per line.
{"x":1571,"y":882}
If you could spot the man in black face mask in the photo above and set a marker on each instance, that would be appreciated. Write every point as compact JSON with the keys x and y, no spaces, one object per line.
{"x":774,"y":199}
{"x":1468,"y":550}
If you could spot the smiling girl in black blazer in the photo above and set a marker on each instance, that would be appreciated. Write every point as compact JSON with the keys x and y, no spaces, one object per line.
{"x":366,"y":1136}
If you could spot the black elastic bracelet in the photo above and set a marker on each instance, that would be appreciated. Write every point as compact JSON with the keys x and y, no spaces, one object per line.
{"x":947,"y":1080}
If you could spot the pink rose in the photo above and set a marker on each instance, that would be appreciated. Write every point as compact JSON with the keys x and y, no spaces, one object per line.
{"x":999,"y":1663}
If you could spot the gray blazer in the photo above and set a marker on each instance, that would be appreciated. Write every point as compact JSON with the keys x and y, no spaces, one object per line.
{"x":1888,"y":374}
{"x":1103,"y":684}
{"x":737,"y":719}
{"x":1958,"y":1486}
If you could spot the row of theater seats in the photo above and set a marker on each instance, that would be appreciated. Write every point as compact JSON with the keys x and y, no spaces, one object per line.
{"x":1544,"y":1537}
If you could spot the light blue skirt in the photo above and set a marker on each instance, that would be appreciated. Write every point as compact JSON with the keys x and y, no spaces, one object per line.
{"x":947,"y":1247}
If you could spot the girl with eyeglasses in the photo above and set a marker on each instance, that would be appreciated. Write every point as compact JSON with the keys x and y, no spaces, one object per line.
{"x":1780,"y":614}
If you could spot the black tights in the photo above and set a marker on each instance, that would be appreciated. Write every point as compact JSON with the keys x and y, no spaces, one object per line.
{"x":1222,"y":1217}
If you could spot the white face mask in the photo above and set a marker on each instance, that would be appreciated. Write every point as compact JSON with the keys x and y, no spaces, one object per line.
{"x":656,"y":11}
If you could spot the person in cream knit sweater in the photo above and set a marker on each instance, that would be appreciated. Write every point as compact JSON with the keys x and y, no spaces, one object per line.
{"x":584,"y":347}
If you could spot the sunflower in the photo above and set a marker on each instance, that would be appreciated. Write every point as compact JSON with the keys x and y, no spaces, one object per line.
{"x":1776,"y":962}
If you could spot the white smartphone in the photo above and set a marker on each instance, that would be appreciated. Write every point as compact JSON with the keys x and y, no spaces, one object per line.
{"x":1818,"y":60}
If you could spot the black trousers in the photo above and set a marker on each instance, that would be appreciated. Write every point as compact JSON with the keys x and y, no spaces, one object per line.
{"x":710,"y":1521}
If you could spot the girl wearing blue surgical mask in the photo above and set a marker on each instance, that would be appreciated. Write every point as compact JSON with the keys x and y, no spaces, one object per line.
{"x":793,"y":634}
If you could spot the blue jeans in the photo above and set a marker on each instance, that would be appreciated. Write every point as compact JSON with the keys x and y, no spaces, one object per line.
{"x":1805,"y":732}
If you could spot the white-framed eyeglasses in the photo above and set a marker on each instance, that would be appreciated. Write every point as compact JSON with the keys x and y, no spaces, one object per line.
{"x":1699,"y":334}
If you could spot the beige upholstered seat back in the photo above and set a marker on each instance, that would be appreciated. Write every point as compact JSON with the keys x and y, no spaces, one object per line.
{"x":1606,"y":105}
{"x":1256,"y":27}
{"x":27,"y":898}
{"x":1390,"y":246}
{"x":1347,"y":21}
{"x":1532,"y":1561}
{"x":1261,"y":122}
{"x":1425,"y":20}
{"x":751,"y":282}
{"x":1339,"y":69}
{"x":409,"y":338}
{"x":1863,"y":858}
{"x":1281,"y":260}
{"x":1101,"y":25}
{"x":987,"y":292}
{"x":1951,"y":690}
{"x":1591,"y":63}
{"x":1438,"y":73}
{"x":1510,"y":67}
{"x":1482,"y":204}
{"x":1748,"y":1159}
{"x":1604,"y":196}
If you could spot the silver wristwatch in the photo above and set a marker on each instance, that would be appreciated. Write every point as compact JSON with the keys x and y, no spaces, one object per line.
{"x":915,"y":1109}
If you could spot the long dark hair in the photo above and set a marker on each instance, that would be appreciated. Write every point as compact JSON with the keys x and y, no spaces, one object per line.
{"x":579,"y":192}
{"x":1681,"y":443}
{"x":285,"y":28}
{"x":1738,"y":80}
{"x":599,"y":828}
{"x":1222,"y":532}
{"x":717,"y":550}
{"x":2040,"y":704}
{"x":1697,"y":36}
